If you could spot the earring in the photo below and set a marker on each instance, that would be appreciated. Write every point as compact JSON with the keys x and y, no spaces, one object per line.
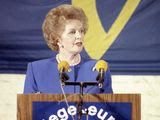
{"x":60,"y":45}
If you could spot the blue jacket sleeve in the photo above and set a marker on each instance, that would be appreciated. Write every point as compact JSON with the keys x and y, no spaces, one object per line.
{"x":30,"y":85}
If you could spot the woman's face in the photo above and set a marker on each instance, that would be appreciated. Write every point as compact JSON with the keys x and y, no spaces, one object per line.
{"x":72,"y":37}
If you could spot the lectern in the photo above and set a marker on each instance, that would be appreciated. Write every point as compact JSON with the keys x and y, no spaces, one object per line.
{"x":95,"y":106}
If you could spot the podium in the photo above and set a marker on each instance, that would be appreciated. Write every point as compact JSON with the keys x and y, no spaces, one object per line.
{"x":27,"y":104}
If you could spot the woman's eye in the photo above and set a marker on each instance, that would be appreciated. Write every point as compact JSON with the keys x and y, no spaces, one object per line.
{"x":72,"y":32}
{"x":82,"y":31}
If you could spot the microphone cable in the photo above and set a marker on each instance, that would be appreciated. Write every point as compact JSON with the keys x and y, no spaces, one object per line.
{"x":65,"y":98}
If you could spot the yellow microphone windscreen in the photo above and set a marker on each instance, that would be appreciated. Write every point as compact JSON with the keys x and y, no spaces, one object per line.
{"x":101,"y":64}
{"x":63,"y":65}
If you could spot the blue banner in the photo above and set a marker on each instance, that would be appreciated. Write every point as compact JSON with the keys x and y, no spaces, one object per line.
{"x":123,"y":32}
{"x":96,"y":111}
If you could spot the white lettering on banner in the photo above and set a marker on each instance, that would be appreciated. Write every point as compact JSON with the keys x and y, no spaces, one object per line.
{"x":62,"y":113}
{"x":72,"y":110}
{"x":53,"y":117}
{"x":99,"y":115}
{"x":111,"y":118}
{"x":92,"y":110}
{"x":84,"y":111}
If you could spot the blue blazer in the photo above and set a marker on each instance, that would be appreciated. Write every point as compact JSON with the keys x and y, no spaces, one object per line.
{"x":43,"y":76}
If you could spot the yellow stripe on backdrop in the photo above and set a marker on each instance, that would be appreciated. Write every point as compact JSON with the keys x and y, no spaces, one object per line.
{"x":97,"y":41}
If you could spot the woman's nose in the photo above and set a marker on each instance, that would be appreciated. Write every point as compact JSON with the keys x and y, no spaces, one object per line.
{"x":78,"y":35}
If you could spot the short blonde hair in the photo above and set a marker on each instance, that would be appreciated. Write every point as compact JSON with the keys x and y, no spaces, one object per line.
{"x":54,"y":23}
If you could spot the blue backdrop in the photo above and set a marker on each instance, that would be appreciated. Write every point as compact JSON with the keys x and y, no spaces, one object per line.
{"x":136,"y":50}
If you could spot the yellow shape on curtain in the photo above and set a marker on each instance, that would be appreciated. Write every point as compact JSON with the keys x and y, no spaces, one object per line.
{"x":97,"y":41}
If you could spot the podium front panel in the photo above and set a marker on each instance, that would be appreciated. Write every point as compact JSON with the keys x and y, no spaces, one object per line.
{"x":105,"y":106}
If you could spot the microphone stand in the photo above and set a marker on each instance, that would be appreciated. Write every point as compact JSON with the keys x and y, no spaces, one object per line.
{"x":82,"y":85}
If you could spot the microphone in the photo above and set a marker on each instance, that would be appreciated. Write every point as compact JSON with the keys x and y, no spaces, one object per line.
{"x":63,"y":67}
{"x":101,"y":66}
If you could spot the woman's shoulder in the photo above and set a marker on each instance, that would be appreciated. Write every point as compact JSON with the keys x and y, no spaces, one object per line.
{"x":44,"y":61}
{"x":91,"y":63}
{"x":85,"y":60}
{"x":88,"y":64}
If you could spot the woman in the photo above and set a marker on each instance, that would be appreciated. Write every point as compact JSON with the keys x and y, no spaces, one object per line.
{"x":64,"y":29}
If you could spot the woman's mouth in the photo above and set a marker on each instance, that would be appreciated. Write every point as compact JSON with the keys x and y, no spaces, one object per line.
{"x":79,"y":44}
